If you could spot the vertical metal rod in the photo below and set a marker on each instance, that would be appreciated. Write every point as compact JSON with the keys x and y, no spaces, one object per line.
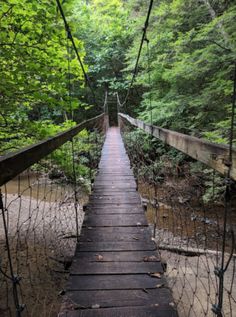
{"x":217,"y":309}
{"x":14,"y":279}
{"x":75,"y":190}
{"x":90,"y":160}
{"x":231,"y":137}
{"x":156,"y":210}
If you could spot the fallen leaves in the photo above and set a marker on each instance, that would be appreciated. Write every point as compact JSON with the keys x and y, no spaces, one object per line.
{"x":160,"y":285}
{"x":151,"y":258}
{"x":99,"y":257}
{"x":95,"y":306}
{"x":156,"y":275}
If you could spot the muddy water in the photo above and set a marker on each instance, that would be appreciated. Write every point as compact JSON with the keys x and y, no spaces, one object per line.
{"x":40,"y":188}
{"x":186,"y":222}
{"x":37,"y":187}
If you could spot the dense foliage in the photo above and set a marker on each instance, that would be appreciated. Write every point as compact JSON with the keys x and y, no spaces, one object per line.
{"x":34,"y":78}
{"x":192,"y":49}
{"x":185,"y":78}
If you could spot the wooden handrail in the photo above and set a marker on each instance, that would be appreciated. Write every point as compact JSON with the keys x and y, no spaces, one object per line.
{"x":14,"y":163}
{"x":213,"y":155}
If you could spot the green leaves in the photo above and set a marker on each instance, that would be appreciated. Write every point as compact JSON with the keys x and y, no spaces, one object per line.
{"x":192,"y":53}
{"x":34,"y":68}
{"x":103,"y":27}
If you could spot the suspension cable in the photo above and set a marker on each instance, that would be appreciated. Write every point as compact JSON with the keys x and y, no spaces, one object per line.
{"x":69,"y":79}
{"x":69,"y":35}
{"x":119,"y":104}
{"x":139,"y":51}
{"x":220,"y":271}
{"x":14,"y":278}
{"x":149,"y":80}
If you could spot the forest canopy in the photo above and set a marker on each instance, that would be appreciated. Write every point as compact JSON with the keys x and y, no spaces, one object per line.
{"x":184,"y":78}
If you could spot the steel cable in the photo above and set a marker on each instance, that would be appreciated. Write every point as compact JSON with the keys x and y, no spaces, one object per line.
{"x":70,"y":36}
{"x":135,"y":71}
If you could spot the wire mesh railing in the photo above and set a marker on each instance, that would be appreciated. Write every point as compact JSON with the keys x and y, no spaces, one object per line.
{"x":41,"y":215}
{"x":191,"y":209}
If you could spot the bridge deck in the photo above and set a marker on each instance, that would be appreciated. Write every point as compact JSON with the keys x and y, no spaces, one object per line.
{"x":111,"y":274}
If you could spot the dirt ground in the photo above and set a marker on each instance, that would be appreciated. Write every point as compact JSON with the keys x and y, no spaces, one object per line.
{"x":195,"y":286}
{"x":39,"y":234}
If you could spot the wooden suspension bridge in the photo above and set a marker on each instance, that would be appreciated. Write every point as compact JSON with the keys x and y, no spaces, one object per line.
{"x":116,"y":270}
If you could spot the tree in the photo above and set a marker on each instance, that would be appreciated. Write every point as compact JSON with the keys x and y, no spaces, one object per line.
{"x":34,"y":71}
{"x":192,"y":55}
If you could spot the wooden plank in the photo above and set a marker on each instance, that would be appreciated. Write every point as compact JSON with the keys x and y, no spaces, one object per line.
{"x":143,"y":311}
{"x":110,"y":179}
{"x":122,"y":170}
{"x":115,"y":200}
{"x":214,"y":155}
{"x":112,"y":211}
{"x":116,"y":246}
{"x":113,"y":282}
{"x":14,"y":163}
{"x":118,"y":194}
{"x":119,"y":256}
{"x":115,"y":220}
{"x":145,"y":230}
{"x":111,"y":172}
{"x":119,"y":188}
{"x":133,"y":208}
{"x":92,"y":234}
{"x":102,"y":237}
{"x":108,"y":193}
{"x":118,"y":298}
{"x":114,"y":204}
{"x":115,"y":183}
{"x":112,"y":191}
{"x":81,"y":267}
{"x":124,"y":199}
{"x":117,"y":204}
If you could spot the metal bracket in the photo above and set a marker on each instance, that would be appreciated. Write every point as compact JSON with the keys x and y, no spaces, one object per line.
{"x":218,"y":272}
{"x":216,"y":310}
{"x":20,"y":308}
{"x":16,"y":279}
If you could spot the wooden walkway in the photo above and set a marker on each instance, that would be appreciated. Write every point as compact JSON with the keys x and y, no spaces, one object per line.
{"x":116,"y":271}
